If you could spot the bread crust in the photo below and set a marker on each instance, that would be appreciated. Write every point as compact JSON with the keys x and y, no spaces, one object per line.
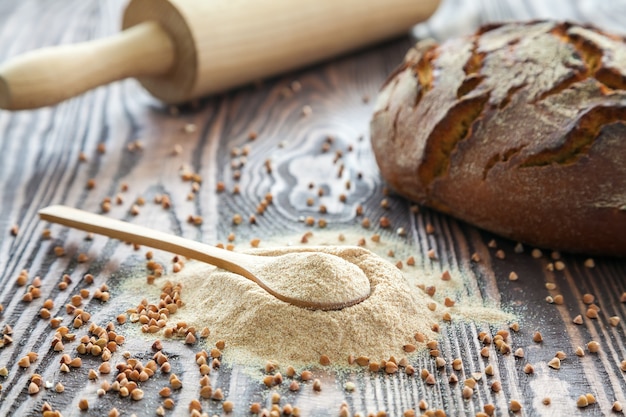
{"x":519,"y":129}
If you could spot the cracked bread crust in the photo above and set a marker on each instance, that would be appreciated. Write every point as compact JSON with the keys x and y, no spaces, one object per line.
{"x":519,"y":129}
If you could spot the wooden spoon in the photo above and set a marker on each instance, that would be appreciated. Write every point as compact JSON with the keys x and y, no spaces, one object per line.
{"x":352,"y":287}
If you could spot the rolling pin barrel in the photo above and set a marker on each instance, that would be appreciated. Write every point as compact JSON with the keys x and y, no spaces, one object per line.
{"x":185,"y":49}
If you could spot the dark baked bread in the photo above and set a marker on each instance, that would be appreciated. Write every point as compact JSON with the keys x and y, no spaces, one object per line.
{"x":519,"y":129}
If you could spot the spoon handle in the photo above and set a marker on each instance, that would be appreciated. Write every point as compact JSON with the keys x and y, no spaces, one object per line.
{"x":128,"y":232}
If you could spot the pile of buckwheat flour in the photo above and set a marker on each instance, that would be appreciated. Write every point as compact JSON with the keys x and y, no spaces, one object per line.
{"x":257,"y":327}
{"x":317,"y":277}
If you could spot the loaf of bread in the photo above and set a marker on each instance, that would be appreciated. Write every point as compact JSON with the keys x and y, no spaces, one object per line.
{"x":519,"y":129}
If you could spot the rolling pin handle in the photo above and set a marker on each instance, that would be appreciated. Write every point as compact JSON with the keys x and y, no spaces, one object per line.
{"x":51,"y":75}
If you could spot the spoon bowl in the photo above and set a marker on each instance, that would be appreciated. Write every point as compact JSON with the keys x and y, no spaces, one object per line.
{"x":313,"y":280}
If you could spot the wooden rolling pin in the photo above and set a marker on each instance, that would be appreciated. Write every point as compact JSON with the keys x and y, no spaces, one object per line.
{"x":184,"y":49}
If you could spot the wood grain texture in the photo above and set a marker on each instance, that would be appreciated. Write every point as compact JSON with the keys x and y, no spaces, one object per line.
{"x":40,"y":166}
